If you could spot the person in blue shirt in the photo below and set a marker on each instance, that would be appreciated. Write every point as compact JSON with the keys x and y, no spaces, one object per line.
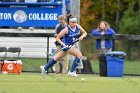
{"x":69,"y":35}
{"x":104,"y":45}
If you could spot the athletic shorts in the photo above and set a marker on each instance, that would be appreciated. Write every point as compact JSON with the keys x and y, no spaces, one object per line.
{"x":66,"y":49}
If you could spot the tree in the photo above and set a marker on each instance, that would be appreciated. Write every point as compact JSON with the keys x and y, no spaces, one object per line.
{"x":112,"y":11}
{"x":87,"y":16}
{"x":130,"y":24}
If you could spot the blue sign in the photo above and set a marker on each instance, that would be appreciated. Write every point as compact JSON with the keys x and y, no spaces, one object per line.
{"x":31,"y":16}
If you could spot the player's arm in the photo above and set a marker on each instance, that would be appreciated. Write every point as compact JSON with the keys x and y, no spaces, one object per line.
{"x":83,"y":32}
{"x":60,"y":35}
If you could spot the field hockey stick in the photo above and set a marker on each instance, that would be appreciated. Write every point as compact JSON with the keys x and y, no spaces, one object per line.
{"x":68,"y":46}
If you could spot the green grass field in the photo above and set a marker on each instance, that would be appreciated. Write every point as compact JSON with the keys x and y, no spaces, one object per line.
{"x":32,"y":64}
{"x":34,"y":83}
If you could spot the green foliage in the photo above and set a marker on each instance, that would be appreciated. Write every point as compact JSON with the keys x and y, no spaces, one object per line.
{"x":92,"y":11}
{"x":106,"y":11}
{"x":130,"y":22}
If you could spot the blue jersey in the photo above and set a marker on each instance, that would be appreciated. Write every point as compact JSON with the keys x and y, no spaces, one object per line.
{"x":70,"y":37}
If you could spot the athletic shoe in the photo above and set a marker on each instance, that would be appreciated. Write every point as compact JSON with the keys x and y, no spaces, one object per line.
{"x":73,"y":74}
{"x":43,"y":72}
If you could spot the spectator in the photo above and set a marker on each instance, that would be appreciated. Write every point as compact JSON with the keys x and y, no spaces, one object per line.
{"x":104,"y":45}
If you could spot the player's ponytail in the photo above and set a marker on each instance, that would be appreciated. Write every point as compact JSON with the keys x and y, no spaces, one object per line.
{"x":68,"y":17}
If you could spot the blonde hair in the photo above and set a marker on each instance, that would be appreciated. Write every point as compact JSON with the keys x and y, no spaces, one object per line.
{"x":106,"y":24}
{"x":61,"y":18}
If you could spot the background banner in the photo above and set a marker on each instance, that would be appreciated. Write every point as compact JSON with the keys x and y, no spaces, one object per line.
{"x":30,"y":16}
